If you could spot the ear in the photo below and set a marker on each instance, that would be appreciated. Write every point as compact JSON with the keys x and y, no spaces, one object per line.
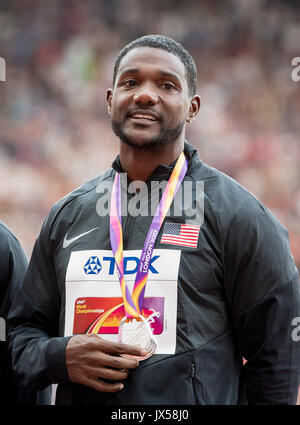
{"x":109,"y":94}
{"x":195,"y":104}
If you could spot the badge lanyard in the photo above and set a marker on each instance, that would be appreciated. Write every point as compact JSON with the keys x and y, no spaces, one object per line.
{"x":133,"y":303}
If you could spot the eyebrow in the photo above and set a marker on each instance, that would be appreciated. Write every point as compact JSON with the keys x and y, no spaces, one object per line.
{"x":129,"y":71}
{"x":161,"y":72}
{"x":169,"y":74}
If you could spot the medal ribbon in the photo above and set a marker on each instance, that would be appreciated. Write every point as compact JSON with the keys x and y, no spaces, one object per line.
{"x":133,"y":303}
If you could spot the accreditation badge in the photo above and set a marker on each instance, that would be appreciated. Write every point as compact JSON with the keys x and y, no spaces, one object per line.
{"x":94,"y":302}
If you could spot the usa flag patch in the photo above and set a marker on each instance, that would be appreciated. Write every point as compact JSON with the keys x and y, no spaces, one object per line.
{"x":181,"y":234}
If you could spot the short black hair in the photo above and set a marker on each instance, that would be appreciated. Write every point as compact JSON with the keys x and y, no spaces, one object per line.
{"x":171,"y":46}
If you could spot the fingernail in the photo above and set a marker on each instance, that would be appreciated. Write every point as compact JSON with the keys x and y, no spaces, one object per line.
{"x":144,"y":352}
{"x":121,"y":386}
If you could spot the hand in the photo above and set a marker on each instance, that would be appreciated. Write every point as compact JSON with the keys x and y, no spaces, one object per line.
{"x":90,"y":357}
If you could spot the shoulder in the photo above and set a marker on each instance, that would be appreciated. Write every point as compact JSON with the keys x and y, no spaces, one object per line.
{"x":232,"y":202}
{"x":67,"y":208}
{"x":13,"y":259}
{"x":248,"y":226}
{"x":244,"y":223}
{"x":5,"y":232}
{"x":8,"y":240}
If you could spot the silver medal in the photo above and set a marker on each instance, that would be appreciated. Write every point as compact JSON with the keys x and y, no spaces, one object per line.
{"x":137,"y":332}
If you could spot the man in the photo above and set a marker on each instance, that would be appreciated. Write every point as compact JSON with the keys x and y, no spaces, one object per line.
{"x":214,"y":283}
{"x":13,"y":268}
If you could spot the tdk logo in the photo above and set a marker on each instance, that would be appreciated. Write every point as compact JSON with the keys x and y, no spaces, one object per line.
{"x":93,"y":265}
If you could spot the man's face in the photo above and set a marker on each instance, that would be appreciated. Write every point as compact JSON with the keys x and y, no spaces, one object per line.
{"x":149,"y":104}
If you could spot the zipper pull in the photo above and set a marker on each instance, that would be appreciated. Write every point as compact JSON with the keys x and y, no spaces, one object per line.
{"x":193,"y":370}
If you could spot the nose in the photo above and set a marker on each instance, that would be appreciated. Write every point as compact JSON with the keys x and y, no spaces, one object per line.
{"x":145,"y":94}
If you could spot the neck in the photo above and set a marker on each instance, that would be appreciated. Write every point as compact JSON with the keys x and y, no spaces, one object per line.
{"x":140,"y":163}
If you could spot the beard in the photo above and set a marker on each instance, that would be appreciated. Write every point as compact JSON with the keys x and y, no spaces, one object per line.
{"x":156,"y":143}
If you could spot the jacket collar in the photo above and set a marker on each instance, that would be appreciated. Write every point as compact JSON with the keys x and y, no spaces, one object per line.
{"x":163,"y":171}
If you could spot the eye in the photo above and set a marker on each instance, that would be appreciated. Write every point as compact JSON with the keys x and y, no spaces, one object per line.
{"x":168,"y":86}
{"x":129,"y":83}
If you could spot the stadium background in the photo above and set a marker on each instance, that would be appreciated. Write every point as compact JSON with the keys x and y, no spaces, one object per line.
{"x":54,"y":129}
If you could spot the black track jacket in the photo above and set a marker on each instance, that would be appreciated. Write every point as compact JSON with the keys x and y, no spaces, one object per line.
{"x":13,"y":267}
{"x":232,"y":296}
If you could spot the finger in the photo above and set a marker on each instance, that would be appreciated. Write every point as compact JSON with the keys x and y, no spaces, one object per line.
{"x":118,"y":362}
{"x":112,"y":374}
{"x":119,"y":348}
{"x":134,"y":351}
{"x":105,"y":387}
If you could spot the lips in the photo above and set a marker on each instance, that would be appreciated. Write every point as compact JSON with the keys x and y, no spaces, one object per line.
{"x":143,"y":115}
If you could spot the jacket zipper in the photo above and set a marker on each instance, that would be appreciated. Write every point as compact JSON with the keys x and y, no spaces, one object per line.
{"x":193,"y":376}
{"x":127,"y":225}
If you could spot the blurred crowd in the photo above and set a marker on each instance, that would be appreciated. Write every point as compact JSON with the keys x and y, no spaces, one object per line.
{"x":54,"y":129}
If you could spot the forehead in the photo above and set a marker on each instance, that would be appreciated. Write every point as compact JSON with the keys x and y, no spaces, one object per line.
{"x":155,"y":59}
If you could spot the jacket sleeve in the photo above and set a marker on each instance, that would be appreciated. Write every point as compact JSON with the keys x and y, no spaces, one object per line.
{"x":37,"y":351}
{"x":262,"y":288}
{"x":13,"y":267}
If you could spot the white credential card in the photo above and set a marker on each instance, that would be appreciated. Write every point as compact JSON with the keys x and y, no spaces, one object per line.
{"x":94,"y":302}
